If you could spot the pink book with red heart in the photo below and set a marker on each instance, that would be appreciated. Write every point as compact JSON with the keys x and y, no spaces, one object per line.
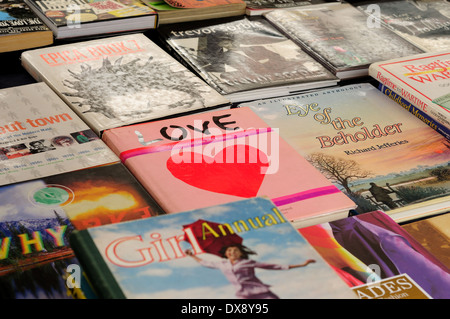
{"x":211,"y":158}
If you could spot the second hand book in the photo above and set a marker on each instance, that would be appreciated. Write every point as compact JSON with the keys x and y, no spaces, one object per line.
{"x":200,"y":10}
{"x":379,"y":154}
{"x":20,"y":28}
{"x":120,"y":80}
{"x":421,"y":79}
{"x":39,"y":215}
{"x":340,"y":37}
{"x":82,"y":18}
{"x":40,"y":135}
{"x":220,"y":156}
{"x":245,"y":58}
{"x":243,"y":249}
{"x":378,"y":259}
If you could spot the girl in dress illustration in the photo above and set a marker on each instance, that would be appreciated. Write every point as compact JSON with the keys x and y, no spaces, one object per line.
{"x":240,"y":271}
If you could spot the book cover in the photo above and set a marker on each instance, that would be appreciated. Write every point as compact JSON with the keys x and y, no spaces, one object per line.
{"x":221,"y":156}
{"x":424,"y":23}
{"x":20,"y":28}
{"x":81,"y":18}
{"x":379,"y":259}
{"x":258,"y":7}
{"x":40,"y":136}
{"x":101,"y":195}
{"x":437,"y":126}
{"x":338,"y":35}
{"x":245,"y":58}
{"x":38,"y":216}
{"x":243,"y":249}
{"x":167,"y":13}
{"x":372,"y":149}
{"x":120,"y":80}
{"x":36,"y":261}
{"x":422,"y":79}
{"x":433,"y":233}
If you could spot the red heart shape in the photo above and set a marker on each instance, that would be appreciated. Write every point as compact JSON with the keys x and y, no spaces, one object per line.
{"x":232,"y":171}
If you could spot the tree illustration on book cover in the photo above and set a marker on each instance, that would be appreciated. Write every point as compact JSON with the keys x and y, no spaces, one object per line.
{"x":392,"y":163}
{"x":243,"y":249}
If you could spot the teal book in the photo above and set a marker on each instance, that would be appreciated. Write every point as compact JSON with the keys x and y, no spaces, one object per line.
{"x":242,"y":249}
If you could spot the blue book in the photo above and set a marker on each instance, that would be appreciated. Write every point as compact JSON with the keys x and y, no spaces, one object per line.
{"x":207,"y":253}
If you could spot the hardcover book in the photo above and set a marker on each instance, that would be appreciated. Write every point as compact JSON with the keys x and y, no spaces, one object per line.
{"x":421,"y":79}
{"x":207,"y":254}
{"x":82,"y":18}
{"x":417,"y":112}
{"x":258,"y":7}
{"x":39,"y":215}
{"x":20,"y":28}
{"x":338,"y":35}
{"x":379,"y":259}
{"x":221,"y":156}
{"x":41,"y":136}
{"x":168,"y":12}
{"x":368,"y":146}
{"x":101,"y":195}
{"x":426,"y":23}
{"x":245,"y":58}
{"x":120,"y":80}
{"x":433,"y":233}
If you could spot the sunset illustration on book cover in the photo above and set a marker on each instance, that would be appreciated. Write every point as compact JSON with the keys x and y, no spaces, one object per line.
{"x":221,"y":156}
{"x":190,"y":255}
{"x":367,"y":145}
{"x":122,"y":80}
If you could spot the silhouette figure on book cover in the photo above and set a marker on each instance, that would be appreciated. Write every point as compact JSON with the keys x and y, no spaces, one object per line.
{"x":382,"y":195}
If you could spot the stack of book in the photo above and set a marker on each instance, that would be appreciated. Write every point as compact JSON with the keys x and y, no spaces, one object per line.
{"x":156,"y":159}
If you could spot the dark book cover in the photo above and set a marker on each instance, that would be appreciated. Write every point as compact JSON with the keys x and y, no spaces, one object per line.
{"x":244,"y":55}
{"x":424,"y":23}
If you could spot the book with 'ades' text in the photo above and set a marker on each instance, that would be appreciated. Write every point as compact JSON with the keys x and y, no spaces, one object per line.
{"x":378,"y":259}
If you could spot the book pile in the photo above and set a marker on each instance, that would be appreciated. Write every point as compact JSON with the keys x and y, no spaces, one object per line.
{"x":231,"y":149}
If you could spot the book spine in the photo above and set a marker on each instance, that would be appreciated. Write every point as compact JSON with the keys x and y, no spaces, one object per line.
{"x":433,"y":111}
{"x":97,"y":272}
{"x":424,"y":117}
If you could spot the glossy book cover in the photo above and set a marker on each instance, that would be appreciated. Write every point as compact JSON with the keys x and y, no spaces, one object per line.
{"x":362,"y":141}
{"x":40,"y":135}
{"x":38,"y":216}
{"x":243,"y":58}
{"x":220,"y":156}
{"x":244,"y":249}
{"x":378,"y":259}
